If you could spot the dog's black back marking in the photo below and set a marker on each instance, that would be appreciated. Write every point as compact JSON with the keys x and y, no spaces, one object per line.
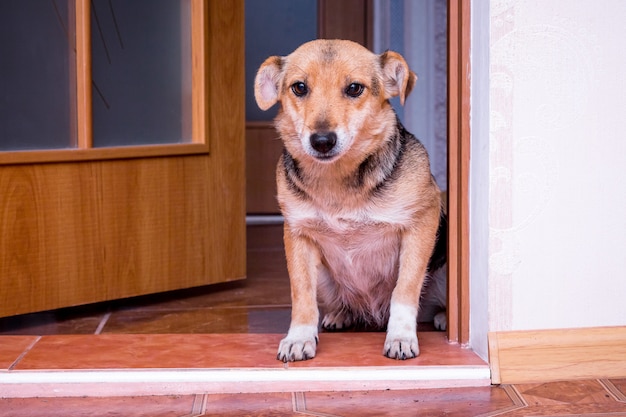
{"x":293,"y":174}
{"x":386,"y":162}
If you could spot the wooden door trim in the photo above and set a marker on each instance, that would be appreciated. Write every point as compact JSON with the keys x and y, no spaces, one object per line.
{"x":84,"y":121}
{"x":336,"y":20}
{"x":458,"y":169}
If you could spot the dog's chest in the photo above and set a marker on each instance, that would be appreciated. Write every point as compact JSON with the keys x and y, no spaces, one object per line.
{"x":358,"y":250}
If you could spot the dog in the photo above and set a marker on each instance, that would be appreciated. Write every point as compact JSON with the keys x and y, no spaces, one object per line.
{"x":362,"y":210}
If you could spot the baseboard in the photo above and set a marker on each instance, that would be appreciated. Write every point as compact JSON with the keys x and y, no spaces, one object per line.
{"x":518,"y":357}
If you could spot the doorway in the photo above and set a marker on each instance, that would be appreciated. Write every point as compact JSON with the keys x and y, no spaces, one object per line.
{"x":437,"y":112}
{"x":139,"y":354}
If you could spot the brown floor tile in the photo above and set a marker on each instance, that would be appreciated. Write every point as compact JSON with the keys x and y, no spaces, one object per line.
{"x":82,"y":320}
{"x":365,"y":349}
{"x":268,"y":404}
{"x":212,"y":320}
{"x":428,"y":403}
{"x":118,"y":351}
{"x":257,"y":290}
{"x":453,"y":402}
{"x":161,"y":406}
{"x":11,"y":347}
{"x":568,"y":399}
{"x":564,"y":392}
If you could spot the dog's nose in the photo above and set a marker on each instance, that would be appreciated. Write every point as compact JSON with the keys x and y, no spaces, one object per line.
{"x":323,"y":142}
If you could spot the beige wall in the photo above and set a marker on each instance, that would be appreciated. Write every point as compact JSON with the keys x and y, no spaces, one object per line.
{"x":548,"y":112}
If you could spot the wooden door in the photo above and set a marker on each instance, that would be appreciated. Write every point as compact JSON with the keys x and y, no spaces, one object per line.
{"x":89,"y":223}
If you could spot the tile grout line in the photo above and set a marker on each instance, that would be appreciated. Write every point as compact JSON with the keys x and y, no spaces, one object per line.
{"x":612,"y":390}
{"x":298,"y":401}
{"x":199,"y":405}
{"x":102,"y":323}
{"x":516,"y":398}
{"x":24,"y":353}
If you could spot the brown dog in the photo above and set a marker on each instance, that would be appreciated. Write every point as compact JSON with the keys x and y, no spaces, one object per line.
{"x":360,"y":205}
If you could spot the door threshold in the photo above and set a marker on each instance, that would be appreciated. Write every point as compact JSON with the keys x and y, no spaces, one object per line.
{"x":177,"y":364}
{"x":138,"y":382}
{"x":264,"y":219}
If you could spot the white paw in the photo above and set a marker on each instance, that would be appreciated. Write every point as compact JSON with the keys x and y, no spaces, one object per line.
{"x":441,"y":321}
{"x":401,"y":342}
{"x":401,"y":348}
{"x":299,"y":345}
{"x":336,"y":321}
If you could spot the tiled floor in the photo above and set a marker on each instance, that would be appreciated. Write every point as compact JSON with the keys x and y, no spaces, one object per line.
{"x":235,"y":326}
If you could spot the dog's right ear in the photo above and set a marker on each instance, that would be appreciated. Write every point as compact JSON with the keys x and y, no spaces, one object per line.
{"x":267,"y":82}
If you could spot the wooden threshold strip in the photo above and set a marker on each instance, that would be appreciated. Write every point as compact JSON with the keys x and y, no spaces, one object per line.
{"x":519,"y":357}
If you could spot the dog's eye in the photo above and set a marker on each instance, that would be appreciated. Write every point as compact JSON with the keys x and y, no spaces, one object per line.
{"x":299,"y":89}
{"x":355,"y":90}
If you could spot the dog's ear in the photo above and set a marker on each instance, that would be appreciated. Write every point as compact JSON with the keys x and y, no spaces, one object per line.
{"x":267,"y":82}
{"x":399,"y":80}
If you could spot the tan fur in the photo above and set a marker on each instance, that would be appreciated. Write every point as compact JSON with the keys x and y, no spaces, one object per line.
{"x":356,"y":237}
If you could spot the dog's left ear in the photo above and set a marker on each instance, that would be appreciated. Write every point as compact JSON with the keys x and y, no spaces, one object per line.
{"x":267,"y":82}
{"x":399,"y":80}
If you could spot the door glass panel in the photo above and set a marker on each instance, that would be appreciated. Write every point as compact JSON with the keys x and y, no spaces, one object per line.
{"x":141,"y":70}
{"x":37,"y":61}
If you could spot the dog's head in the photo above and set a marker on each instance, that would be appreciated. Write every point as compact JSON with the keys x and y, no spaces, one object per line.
{"x":334,"y":97}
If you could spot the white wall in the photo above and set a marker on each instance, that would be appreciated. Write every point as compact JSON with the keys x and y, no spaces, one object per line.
{"x":556,"y":198}
{"x":479,"y":179}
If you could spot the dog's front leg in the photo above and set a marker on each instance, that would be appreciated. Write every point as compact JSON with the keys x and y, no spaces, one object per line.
{"x":401,"y":342}
{"x":303,"y":263}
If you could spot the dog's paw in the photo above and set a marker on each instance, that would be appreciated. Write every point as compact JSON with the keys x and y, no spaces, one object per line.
{"x":299,"y":345}
{"x":441,"y":321}
{"x":401,"y":342}
{"x":336,"y":321}
{"x":401,"y":348}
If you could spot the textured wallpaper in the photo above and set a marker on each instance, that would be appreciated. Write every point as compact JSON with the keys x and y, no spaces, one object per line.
{"x":557,"y":197}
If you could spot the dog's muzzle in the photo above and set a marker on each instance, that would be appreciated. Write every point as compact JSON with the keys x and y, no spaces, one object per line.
{"x":323,"y":143}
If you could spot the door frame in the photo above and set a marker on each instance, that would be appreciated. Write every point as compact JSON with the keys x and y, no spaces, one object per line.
{"x":459,"y":81}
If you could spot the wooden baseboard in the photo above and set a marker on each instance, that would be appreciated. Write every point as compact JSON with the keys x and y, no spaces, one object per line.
{"x":518,"y":357}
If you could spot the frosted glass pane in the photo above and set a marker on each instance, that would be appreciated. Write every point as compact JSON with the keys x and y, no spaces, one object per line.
{"x":141,"y":71}
{"x":36,"y":75}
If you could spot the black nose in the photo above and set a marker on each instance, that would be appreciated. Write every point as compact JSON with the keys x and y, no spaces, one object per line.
{"x":323,"y":142}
